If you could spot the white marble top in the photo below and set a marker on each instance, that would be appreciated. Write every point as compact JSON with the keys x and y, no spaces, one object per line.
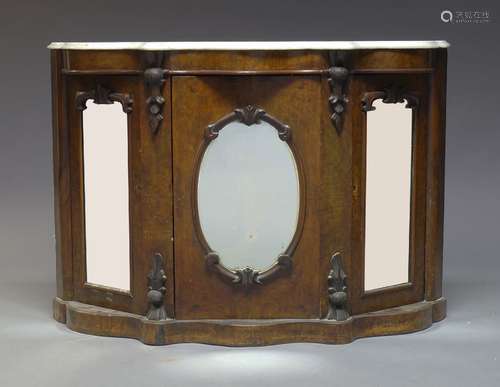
{"x":321,"y":45}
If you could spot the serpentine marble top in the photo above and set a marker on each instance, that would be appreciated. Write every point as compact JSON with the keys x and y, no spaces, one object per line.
{"x":226,"y":46}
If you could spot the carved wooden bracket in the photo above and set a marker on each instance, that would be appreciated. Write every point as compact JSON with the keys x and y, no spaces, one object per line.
{"x":156,"y":289}
{"x":337,"y":290}
{"x":247,"y":276}
{"x":337,"y":79}
{"x":154,"y":79}
{"x":392,"y":94}
{"x":101,"y":95}
{"x":248,"y":115}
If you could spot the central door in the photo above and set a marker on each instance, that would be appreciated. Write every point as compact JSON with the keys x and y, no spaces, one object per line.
{"x":246,"y":153}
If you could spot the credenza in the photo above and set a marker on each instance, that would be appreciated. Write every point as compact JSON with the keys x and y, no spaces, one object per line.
{"x":249,"y":193}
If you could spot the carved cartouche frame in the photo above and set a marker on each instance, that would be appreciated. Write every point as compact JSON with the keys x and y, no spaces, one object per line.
{"x":247,"y":277}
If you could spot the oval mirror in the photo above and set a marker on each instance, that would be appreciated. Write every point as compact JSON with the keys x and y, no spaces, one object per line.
{"x":248,"y":193}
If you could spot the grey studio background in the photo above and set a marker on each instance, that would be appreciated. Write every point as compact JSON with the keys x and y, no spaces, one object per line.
{"x":463,"y":350}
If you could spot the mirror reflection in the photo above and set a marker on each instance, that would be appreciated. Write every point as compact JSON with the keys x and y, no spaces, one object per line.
{"x":105,"y":163}
{"x":248,"y":195}
{"x":388,"y":194}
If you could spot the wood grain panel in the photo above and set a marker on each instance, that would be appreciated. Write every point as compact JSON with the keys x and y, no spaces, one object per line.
{"x":150,"y":205}
{"x":197,"y":102}
{"x":102,"y":60}
{"x":62,"y":184}
{"x":390,"y":59}
{"x":105,"y":322}
{"x":246,"y":60}
{"x":413,"y":291}
{"x":436,"y":178}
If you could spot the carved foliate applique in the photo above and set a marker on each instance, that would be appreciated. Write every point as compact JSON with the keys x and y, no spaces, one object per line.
{"x":156,"y":289}
{"x":154,"y":80}
{"x":247,"y":276}
{"x":101,"y":95}
{"x":337,"y":79}
{"x":248,"y":115}
{"x":337,"y":290}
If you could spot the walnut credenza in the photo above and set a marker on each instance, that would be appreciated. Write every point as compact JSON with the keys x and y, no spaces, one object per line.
{"x":249,"y":193}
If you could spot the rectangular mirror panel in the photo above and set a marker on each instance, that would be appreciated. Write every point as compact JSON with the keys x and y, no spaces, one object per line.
{"x":388,"y":194}
{"x":105,"y":162}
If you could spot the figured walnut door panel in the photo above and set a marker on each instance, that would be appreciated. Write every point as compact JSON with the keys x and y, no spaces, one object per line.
{"x":367,"y":94}
{"x":148,"y":191}
{"x":200,"y":291}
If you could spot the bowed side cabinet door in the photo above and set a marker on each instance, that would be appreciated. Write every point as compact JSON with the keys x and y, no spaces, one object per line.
{"x":246,"y":172}
{"x":120,"y":192}
{"x":390,"y":132}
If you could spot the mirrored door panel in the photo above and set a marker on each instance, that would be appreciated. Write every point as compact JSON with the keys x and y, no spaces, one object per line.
{"x":245,"y":203}
{"x":105,"y":166}
{"x":111,"y":254}
{"x":389,"y":159}
{"x":387,"y":194}
{"x":254,"y":220}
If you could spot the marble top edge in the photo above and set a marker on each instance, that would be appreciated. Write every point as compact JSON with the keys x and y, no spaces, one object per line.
{"x":222,"y":46}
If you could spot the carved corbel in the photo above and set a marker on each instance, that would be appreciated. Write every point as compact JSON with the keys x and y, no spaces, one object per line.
{"x":393,"y":94}
{"x":154,"y":79}
{"x":156,"y":289}
{"x":337,"y":79}
{"x":101,"y":95}
{"x":337,"y":290}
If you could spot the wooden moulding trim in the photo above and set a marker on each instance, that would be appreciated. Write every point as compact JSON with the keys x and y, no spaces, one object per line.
{"x":196,"y":72}
{"x":101,"y":72}
{"x":106,"y":322}
{"x":421,"y":70}
{"x":248,"y":72}
{"x":107,"y":289}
